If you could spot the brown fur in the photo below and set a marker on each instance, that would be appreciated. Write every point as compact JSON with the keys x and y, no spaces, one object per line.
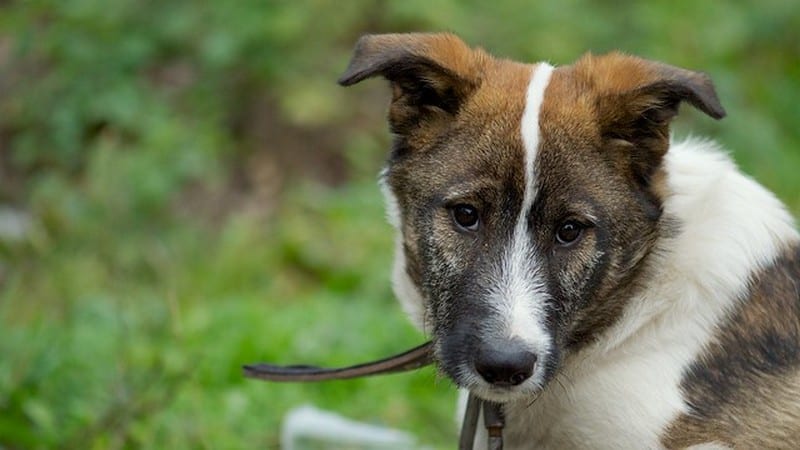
{"x":632,"y":101}
{"x":604,"y":131}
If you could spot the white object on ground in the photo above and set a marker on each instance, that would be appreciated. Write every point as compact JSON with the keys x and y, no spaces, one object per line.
{"x":307,"y":427}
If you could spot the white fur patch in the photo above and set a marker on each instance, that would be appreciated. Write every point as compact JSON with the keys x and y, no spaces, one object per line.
{"x":390,"y":200}
{"x":404,"y":288}
{"x":530,"y":129}
{"x":518,"y":292}
{"x":623,"y":391}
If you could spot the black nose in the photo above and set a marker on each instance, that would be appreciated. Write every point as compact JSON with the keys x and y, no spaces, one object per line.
{"x":505,"y":364}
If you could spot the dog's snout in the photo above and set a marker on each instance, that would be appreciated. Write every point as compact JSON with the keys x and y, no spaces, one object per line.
{"x":505,"y":364}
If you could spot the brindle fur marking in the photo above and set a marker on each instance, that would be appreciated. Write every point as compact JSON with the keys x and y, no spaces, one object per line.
{"x":743,"y":391}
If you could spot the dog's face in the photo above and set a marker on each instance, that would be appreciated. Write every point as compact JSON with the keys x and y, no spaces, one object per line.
{"x":527,"y":198}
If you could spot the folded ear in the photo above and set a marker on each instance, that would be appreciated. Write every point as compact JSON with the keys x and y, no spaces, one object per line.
{"x":636,"y":100}
{"x":431,"y":74}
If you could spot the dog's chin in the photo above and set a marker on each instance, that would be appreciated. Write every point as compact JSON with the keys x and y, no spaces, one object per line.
{"x":495,"y":394}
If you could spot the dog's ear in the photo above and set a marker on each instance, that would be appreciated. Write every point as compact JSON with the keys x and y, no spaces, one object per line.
{"x":431,"y":74}
{"x":636,"y":100}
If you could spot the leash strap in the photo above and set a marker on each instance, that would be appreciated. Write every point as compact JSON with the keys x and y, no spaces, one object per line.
{"x":470,"y":424}
{"x":494,"y":420}
{"x":410,"y":360}
{"x":413,"y":359}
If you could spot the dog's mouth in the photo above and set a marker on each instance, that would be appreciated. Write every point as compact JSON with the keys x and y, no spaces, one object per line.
{"x":505,"y":394}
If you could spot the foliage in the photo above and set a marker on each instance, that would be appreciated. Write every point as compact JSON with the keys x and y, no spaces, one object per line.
{"x":134,"y":135}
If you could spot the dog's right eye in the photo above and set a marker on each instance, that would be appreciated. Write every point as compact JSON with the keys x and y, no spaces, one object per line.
{"x":466,"y":217}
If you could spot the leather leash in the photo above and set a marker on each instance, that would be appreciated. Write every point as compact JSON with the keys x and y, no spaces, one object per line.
{"x":410,"y":360}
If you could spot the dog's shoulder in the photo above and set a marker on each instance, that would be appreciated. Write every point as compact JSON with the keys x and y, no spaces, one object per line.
{"x":743,"y":389}
{"x":727,"y":227}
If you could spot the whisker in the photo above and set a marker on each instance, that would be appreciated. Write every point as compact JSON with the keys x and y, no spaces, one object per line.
{"x":564,"y":388}
{"x":538,"y":394}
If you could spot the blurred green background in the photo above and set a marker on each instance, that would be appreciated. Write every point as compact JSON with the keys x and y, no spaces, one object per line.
{"x":184,"y":189}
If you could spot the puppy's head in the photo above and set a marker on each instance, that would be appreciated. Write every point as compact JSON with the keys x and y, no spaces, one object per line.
{"x":527,"y":198}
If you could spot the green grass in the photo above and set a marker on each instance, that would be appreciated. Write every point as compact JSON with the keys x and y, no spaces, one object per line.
{"x":127,"y":310}
{"x":157,"y":365}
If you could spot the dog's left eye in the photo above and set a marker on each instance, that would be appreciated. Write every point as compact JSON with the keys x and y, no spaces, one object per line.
{"x":569,"y":232}
{"x":466,"y":217}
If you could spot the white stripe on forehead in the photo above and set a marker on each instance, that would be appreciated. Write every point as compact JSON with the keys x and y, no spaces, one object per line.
{"x":530,"y":128}
{"x":520,"y":292}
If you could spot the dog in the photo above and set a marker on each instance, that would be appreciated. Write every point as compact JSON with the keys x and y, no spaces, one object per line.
{"x":610,"y":288}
